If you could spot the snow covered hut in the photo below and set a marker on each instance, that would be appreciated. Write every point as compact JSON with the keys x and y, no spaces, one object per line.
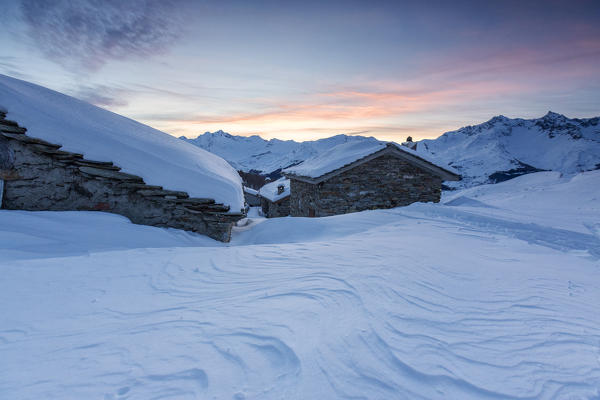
{"x":275,"y":198}
{"x":359,"y":176}
{"x":57,"y":154}
{"x":252,"y":197}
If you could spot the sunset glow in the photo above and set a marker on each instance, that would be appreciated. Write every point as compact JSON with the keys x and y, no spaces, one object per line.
{"x":306,"y":72}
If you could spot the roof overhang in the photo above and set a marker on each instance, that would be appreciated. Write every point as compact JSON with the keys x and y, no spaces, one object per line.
{"x":279,"y":200}
{"x":390,"y":149}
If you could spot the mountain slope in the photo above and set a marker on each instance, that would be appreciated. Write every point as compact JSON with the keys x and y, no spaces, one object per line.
{"x":502,"y":148}
{"x":138,"y":149}
{"x":254,"y":153}
{"x":499,"y":149}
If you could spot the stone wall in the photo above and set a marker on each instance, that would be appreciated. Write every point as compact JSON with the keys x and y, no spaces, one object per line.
{"x":383,"y":182}
{"x":271,"y":209}
{"x":253,"y":200}
{"x":41,"y":177}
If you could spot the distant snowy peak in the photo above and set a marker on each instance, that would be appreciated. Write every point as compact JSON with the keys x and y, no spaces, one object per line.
{"x":552,"y":123}
{"x":253,"y":153}
{"x":502,"y":147}
{"x":493,"y":151}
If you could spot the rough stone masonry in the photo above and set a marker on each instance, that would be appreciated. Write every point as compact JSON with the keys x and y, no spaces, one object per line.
{"x":39,"y":177}
{"x":274,"y":209}
{"x":383,"y":182}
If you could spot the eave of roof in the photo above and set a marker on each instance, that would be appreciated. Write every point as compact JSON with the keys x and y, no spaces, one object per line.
{"x":391,"y":149}
{"x":279,"y":200}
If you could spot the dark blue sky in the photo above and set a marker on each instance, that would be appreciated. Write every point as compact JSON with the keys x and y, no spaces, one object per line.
{"x":303,"y":70}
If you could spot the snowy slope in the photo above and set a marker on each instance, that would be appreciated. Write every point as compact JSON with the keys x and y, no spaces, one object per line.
{"x":544,"y":198}
{"x":553,"y":142}
{"x":47,"y":234}
{"x":430,"y":301}
{"x":265,"y":156}
{"x":101,"y":135}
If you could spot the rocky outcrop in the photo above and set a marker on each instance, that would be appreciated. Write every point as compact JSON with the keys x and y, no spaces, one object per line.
{"x":39,"y":176}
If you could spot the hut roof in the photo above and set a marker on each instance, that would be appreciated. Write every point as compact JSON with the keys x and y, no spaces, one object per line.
{"x":270,"y":191}
{"x":250,"y":191}
{"x":349,"y":155}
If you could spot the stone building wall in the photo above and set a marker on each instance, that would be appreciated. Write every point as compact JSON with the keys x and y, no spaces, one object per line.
{"x":383,"y":182}
{"x":275,"y":209}
{"x":41,"y":177}
{"x":253,"y":200}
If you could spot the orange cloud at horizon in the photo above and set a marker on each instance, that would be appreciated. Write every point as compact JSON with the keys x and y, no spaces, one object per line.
{"x":447,"y":92}
{"x":390,"y":115}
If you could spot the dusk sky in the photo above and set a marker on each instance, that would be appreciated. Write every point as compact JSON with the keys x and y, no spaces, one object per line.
{"x":306,"y":70}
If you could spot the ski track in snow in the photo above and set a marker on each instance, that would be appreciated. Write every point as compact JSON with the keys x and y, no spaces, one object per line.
{"x":424,"y":302}
{"x":560,"y":239}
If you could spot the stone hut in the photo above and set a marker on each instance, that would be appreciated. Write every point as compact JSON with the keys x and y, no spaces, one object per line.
{"x":275,"y":198}
{"x":357,"y":176}
{"x":251,"y":197}
{"x":36,"y":175}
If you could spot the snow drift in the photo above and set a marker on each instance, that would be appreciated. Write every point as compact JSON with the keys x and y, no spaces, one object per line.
{"x":138,"y":149}
{"x":475,"y":300}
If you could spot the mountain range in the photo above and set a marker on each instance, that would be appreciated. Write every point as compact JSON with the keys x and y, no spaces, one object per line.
{"x":266,"y":157}
{"x":493,"y":151}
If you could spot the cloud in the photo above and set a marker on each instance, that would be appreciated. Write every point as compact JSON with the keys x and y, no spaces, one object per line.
{"x":351,"y":105}
{"x":103,"y":96}
{"x":9,"y":66}
{"x":88,"y":33}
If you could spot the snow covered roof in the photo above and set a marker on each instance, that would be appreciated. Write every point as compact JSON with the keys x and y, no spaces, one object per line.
{"x":250,"y":191}
{"x":333,"y":161}
{"x":101,"y":135}
{"x":270,"y":190}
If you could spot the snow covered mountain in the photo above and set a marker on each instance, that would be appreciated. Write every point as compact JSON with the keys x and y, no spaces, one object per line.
{"x":254,"y":153}
{"x":499,"y":149}
{"x":503,"y":148}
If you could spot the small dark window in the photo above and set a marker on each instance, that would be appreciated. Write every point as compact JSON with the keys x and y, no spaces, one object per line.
{"x":311,"y":212}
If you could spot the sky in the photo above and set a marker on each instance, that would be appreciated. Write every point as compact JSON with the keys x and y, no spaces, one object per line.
{"x":311,"y":69}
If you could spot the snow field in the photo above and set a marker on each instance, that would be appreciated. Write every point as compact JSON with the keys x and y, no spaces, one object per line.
{"x":423,"y":302}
